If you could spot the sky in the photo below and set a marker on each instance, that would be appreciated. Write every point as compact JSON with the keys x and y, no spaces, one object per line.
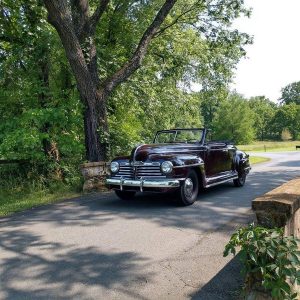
{"x":273,"y":60}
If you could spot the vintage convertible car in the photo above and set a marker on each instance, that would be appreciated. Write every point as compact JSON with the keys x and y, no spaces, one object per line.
{"x":180,"y":160}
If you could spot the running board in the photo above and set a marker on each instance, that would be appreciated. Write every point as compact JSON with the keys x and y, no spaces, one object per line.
{"x":220,"y":182}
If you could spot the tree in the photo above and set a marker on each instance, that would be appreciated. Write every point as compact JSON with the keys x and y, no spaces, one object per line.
{"x":77,"y":29}
{"x":234,"y":121}
{"x":210,"y":101}
{"x":264,"y":111}
{"x":291,"y":93}
{"x":40,"y":115}
{"x":287,"y":117}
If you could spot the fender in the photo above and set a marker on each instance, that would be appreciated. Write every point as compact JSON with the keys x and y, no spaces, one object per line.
{"x":241,"y":162}
{"x":183,"y":163}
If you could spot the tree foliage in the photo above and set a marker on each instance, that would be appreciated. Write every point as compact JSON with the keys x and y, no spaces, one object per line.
{"x":287,"y":117}
{"x":234,"y":120}
{"x":106,"y":46}
{"x":41,"y":111}
{"x":291,"y":93}
{"x":264,"y":111}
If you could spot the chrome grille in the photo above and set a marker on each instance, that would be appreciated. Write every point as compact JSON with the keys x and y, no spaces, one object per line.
{"x":138,"y":171}
{"x":125,"y":172}
{"x":149,"y":171}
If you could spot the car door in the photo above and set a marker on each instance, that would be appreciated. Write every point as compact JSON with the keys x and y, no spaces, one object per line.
{"x":217,"y":158}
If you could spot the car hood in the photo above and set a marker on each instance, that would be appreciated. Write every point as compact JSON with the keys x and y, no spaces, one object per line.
{"x":157,"y":151}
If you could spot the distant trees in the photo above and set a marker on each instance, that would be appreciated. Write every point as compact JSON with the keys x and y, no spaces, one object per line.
{"x":264,"y":111}
{"x":291,"y":93}
{"x":241,"y":119}
{"x":287,"y":117}
{"x":234,"y":121}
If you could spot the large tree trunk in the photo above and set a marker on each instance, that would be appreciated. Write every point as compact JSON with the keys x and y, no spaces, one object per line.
{"x":96,"y":129}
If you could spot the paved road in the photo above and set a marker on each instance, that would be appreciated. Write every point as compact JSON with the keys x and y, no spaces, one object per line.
{"x":98,"y":247}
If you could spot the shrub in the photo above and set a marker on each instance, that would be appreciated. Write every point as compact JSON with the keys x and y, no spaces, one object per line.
{"x":270,"y":260}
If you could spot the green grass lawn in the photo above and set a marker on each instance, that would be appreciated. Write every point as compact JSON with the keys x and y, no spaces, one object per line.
{"x":258,"y":159}
{"x":15,"y":200}
{"x":270,"y":146}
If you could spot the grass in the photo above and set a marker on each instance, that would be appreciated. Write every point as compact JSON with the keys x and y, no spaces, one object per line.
{"x":270,"y":146}
{"x":19,"y":199}
{"x":26,"y":187}
{"x":258,"y":159}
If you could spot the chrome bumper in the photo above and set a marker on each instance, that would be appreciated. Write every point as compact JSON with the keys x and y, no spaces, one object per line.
{"x":141,"y":183}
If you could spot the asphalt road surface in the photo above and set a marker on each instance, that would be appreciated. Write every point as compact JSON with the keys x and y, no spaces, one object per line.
{"x":99,"y":247}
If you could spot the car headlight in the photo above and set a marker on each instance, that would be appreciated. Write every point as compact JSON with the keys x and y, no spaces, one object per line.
{"x":114,"y":166}
{"x":166,"y":167}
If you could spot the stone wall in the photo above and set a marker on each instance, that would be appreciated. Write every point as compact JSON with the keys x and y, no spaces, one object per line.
{"x":280,"y":208}
{"x":94,"y":174}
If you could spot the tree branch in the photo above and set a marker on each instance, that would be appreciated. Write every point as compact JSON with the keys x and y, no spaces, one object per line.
{"x":80,"y":15}
{"x":97,"y":15}
{"x":134,"y":63}
{"x":59,"y":15}
{"x":176,"y":20}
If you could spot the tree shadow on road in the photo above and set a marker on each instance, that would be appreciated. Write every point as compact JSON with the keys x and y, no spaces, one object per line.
{"x":33,"y":269}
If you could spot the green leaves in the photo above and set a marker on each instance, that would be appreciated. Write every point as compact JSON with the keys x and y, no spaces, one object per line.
{"x":291,"y":93}
{"x":268,"y":256}
{"x":234,"y":121}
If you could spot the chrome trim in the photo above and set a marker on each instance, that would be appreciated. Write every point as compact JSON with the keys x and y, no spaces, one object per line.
{"x":141,"y":184}
{"x":167,"y":183}
{"x":219,"y":149}
{"x":222,"y":176}
{"x":185,"y":166}
{"x":139,"y":164}
{"x":121,"y":183}
{"x":133,"y":158}
{"x":220,"y":182}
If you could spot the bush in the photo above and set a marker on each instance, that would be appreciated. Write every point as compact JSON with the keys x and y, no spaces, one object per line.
{"x":270,"y":260}
{"x":286,"y":135}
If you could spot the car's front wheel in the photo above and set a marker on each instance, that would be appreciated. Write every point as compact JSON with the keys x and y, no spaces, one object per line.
{"x":240,"y":181}
{"x":125,"y":195}
{"x":189,"y":189}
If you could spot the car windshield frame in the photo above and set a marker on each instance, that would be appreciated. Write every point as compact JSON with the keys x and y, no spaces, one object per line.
{"x":175,"y":133}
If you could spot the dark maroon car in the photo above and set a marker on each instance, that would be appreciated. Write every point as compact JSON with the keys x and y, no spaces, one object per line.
{"x":180,"y":160}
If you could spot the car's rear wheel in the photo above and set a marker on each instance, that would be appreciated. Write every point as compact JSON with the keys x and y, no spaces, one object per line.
{"x":240,"y":181}
{"x":125,"y":195}
{"x":189,"y":190}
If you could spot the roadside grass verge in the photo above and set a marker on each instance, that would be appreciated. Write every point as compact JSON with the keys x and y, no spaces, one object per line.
{"x":270,"y":146}
{"x":258,"y":159}
{"x":22,"y":198}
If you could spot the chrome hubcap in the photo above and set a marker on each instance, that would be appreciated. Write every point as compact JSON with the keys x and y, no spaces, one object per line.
{"x":188,"y":187}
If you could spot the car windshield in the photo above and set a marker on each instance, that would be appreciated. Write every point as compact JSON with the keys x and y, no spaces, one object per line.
{"x":178,"y":136}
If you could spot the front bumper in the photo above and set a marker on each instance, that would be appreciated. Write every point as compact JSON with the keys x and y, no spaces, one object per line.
{"x":141,"y":183}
